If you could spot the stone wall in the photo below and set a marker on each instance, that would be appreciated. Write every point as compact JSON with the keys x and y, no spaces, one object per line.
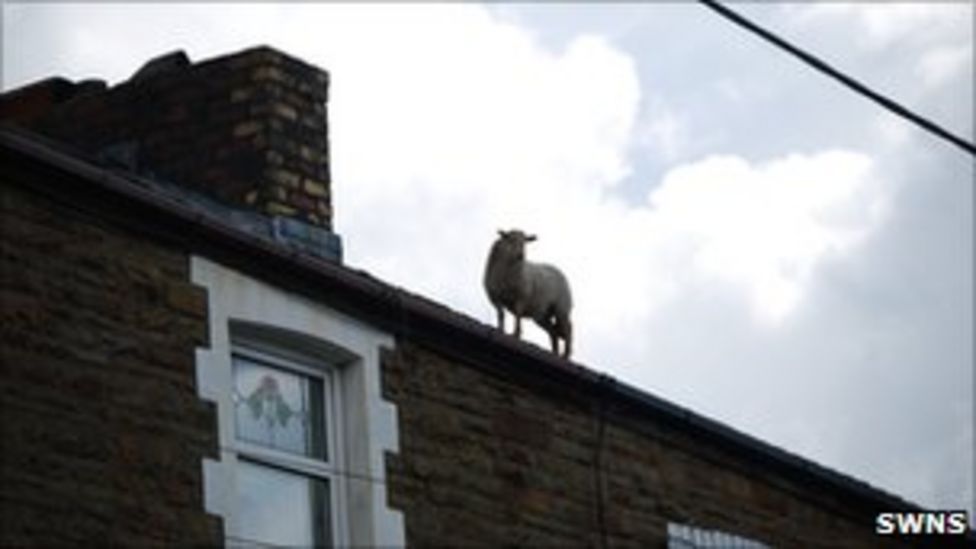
{"x":485,"y":461}
{"x":102,"y":431}
{"x":103,"y":434}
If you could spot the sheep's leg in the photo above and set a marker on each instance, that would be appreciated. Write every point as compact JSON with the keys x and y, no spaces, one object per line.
{"x":550,"y":324}
{"x":501,"y":318}
{"x":566,"y":329}
{"x":518,"y":311}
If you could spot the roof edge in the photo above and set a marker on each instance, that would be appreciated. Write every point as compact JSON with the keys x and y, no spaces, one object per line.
{"x":378,"y":302}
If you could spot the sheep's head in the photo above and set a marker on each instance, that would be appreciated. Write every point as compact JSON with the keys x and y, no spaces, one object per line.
{"x":512,"y":243}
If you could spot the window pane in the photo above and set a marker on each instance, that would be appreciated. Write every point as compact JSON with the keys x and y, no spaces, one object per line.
{"x":282,"y":508}
{"x":684,"y":536}
{"x":278,"y":409}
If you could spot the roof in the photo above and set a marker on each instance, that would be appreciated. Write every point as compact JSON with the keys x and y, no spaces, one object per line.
{"x":166,"y":213}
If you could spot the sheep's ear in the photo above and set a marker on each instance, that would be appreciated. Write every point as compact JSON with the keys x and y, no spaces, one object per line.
{"x":502,"y":233}
{"x":530,"y":237}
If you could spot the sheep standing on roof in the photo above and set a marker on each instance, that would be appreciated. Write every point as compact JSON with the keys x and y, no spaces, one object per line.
{"x":535,"y":290}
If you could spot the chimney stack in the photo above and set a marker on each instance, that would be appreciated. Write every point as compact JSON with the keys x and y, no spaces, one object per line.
{"x":248,"y":129}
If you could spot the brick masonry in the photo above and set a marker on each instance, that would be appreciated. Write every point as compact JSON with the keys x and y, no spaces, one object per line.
{"x":249,"y":129}
{"x":102,"y":430}
{"x":489,"y":462}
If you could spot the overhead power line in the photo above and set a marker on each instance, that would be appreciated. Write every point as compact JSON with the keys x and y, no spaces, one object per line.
{"x":844,"y":79}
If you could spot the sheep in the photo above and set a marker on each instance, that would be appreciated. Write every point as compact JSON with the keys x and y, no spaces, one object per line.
{"x":535,"y":290}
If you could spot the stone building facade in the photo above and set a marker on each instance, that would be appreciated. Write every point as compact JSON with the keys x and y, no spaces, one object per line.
{"x":186,"y":361}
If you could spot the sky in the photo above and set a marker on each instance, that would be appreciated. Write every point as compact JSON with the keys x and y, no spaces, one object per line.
{"x":743,"y":236}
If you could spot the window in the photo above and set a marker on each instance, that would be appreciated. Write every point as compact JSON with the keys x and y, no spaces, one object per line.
{"x":684,"y":536}
{"x":286,"y":439}
{"x":302,"y":422}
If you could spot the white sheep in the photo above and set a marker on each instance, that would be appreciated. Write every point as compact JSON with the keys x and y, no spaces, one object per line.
{"x":535,"y":290}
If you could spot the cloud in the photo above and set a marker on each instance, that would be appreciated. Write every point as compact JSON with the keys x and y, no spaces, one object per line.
{"x":494,"y":131}
{"x":664,"y":132}
{"x":918,"y":54}
{"x":940,"y":65}
{"x":885,"y":25}
{"x":528,"y":137}
{"x":765,"y":227}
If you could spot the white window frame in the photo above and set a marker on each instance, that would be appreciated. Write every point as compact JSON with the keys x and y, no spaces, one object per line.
{"x":244,"y":309}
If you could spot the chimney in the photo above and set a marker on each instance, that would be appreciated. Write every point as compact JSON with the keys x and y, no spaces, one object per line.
{"x":249,"y":130}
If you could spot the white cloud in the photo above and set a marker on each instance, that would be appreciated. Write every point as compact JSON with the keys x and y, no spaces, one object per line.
{"x":493,"y":131}
{"x":497,"y":131}
{"x":764,"y":227}
{"x":896,"y":21}
{"x":664,"y":132}
{"x":887,"y":24}
{"x":941,"y":65}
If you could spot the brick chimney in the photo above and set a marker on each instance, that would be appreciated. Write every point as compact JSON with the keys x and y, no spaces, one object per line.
{"x":249,"y":130}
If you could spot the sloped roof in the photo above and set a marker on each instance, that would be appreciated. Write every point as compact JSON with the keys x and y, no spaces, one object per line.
{"x":177,"y":217}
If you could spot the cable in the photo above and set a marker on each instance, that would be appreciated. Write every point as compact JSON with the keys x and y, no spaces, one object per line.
{"x":844,"y":79}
